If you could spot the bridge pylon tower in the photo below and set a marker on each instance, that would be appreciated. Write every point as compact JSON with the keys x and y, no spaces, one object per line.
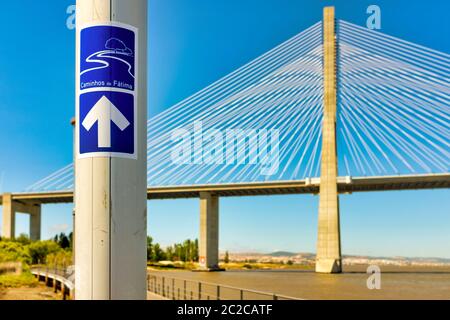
{"x":328,"y":259}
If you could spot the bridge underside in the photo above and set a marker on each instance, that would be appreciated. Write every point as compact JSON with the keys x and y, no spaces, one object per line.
{"x":307,"y":186}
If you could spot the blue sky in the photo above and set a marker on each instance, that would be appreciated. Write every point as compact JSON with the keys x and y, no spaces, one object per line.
{"x":192,"y":43}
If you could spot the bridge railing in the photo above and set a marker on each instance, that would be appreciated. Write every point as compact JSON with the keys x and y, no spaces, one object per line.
{"x":65,"y":272}
{"x":61,"y":278}
{"x":182,"y":289}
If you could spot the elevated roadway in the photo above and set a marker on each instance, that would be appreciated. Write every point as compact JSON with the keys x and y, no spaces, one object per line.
{"x":306,"y":186}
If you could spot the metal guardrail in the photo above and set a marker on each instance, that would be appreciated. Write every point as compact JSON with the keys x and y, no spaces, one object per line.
{"x":168,"y":287}
{"x":182,"y":289}
{"x":62,"y":279}
{"x":67,"y":272}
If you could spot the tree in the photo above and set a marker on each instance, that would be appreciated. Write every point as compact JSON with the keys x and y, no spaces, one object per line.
{"x":179,"y":252}
{"x":149,"y":248}
{"x":169,"y":253}
{"x":227,"y":257}
{"x":158,"y":253}
{"x":63,"y":241}
{"x":23,"y":239}
{"x":71,"y":240}
{"x":40,"y":249}
{"x":187,"y":250}
{"x":195,"y":255}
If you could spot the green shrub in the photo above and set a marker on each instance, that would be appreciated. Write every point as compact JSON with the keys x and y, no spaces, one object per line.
{"x":26,"y":279}
{"x":14,"y":251}
{"x":40,"y":249}
{"x":22,"y":239}
{"x":61,"y":259}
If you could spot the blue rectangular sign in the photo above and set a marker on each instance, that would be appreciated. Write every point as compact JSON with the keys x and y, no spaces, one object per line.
{"x":107,"y":91}
{"x":107,"y":122}
{"x":107,"y":57}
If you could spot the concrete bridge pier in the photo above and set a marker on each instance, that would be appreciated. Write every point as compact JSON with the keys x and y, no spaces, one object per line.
{"x":9,"y":217}
{"x":11,"y":207}
{"x":209,"y":232}
{"x":328,"y":259}
{"x":35,"y":221}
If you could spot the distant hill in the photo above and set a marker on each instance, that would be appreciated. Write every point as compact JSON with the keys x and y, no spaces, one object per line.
{"x":346,"y":258}
{"x":282,"y":254}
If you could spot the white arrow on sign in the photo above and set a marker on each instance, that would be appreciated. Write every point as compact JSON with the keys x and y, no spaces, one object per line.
{"x":104,"y":111}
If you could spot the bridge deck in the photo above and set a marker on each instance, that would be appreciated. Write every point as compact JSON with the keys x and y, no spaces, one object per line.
{"x":311,"y":186}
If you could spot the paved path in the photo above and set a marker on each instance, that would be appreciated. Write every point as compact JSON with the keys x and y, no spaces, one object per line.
{"x":152,"y":296}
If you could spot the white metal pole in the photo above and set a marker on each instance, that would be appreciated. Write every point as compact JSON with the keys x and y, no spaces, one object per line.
{"x":111,"y":147}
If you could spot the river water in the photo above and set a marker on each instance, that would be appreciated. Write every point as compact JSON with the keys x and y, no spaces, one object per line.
{"x":396,"y":283}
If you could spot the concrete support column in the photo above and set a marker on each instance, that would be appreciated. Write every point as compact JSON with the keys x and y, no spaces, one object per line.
{"x":209,"y":231}
{"x":35,"y":222}
{"x":11,"y":207}
{"x":9,"y":217}
{"x":110,"y":188}
{"x":328,"y":258}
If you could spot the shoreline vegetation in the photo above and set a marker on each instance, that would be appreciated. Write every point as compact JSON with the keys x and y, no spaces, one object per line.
{"x":27,"y":253}
{"x":180,"y":265}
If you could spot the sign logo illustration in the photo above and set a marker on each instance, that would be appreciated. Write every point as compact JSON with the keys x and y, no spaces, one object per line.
{"x":107,"y":91}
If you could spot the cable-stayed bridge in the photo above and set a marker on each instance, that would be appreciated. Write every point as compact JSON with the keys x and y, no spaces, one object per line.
{"x":392,"y":116}
{"x":336,"y":109}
